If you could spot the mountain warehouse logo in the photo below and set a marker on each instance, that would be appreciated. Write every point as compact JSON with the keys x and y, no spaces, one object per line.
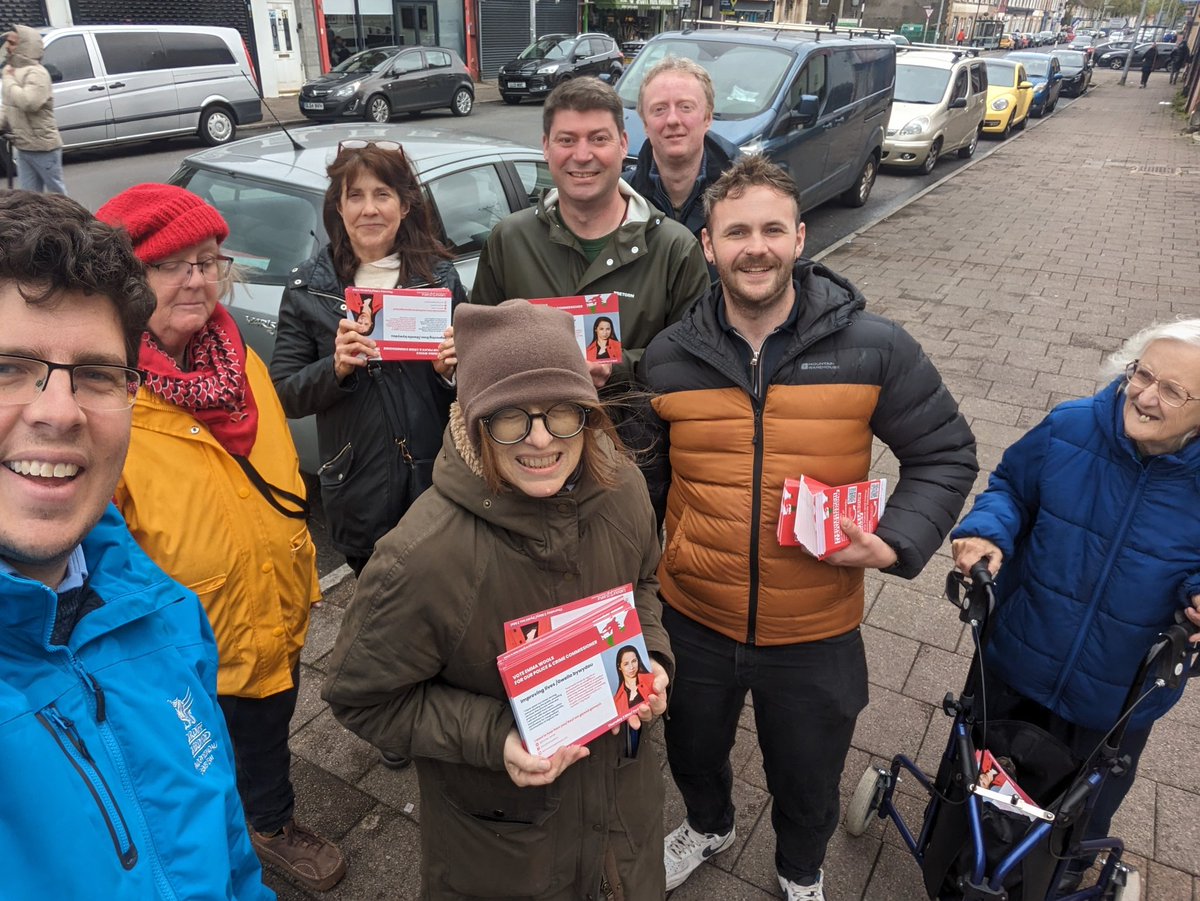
{"x":199,"y":738}
{"x":826,"y":365}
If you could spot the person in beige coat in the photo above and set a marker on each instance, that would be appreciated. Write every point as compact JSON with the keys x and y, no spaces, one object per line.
{"x":27,"y":113}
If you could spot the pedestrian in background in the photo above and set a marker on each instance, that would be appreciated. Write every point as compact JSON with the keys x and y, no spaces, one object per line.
{"x":1091,"y":523}
{"x":379,"y":424}
{"x":1148,"y":62}
{"x":779,"y":372}
{"x":212,"y":492}
{"x":534,"y":503}
{"x":1179,"y":59}
{"x":118,"y":780}
{"x":27,"y":113}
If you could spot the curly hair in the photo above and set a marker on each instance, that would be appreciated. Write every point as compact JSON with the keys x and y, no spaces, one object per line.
{"x":49,"y":244}
{"x":416,"y":235}
{"x":750,"y":171}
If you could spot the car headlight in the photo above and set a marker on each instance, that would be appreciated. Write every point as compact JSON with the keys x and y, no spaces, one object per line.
{"x":914,"y":127}
{"x":752,"y":148}
{"x":1000,"y":104}
{"x":347,"y":89}
{"x":547,"y":70}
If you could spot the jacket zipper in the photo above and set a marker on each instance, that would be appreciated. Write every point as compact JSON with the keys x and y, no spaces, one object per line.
{"x":71,"y":744}
{"x":756,"y":404}
{"x":1118,"y":538}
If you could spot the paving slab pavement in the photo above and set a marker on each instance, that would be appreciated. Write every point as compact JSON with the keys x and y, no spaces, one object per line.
{"x":1017,"y":275}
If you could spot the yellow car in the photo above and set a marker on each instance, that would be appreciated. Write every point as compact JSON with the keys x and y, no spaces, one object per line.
{"x":1009,"y":96}
{"x":1006,"y":42}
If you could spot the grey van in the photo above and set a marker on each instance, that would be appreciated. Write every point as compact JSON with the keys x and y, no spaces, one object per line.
{"x":118,"y":83}
{"x":815,"y":103}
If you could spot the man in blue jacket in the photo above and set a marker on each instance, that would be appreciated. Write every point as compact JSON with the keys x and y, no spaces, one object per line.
{"x":118,"y":780}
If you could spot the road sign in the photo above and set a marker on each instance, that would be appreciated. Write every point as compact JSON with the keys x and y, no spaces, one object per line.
{"x":928,"y":11}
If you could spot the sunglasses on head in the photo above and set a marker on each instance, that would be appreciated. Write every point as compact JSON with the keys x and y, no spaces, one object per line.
{"x":358,"y":144}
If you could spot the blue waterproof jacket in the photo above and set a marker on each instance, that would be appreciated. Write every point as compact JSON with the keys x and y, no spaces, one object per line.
{"x":118,"y":777}
{"x":1101,"y":548}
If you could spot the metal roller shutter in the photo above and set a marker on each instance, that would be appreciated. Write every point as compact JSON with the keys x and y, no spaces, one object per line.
{"x":504,"y":28}
{"x":212,"y":13}
{"x":22,"y":12}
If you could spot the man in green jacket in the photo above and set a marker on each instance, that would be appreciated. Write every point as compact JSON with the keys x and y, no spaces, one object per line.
{"x":592,"y":233}
{"x":27,"y":113}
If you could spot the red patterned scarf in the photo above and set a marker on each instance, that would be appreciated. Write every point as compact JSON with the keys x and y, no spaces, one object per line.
{"x":215,"y":389}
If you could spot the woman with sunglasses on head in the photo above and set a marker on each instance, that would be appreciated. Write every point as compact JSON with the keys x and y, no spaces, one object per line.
{"x":534,"y":503}
{"x":379,"y":424}
{"x":211,"y":491}
{"x":1091,"y":523}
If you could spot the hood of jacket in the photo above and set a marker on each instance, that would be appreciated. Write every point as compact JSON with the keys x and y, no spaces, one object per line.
{"x":639,"y":211}
{"x":29,"y":47}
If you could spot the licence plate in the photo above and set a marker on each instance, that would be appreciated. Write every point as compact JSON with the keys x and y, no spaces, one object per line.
{"x":516,"y":84}
{"x":310,"y":105}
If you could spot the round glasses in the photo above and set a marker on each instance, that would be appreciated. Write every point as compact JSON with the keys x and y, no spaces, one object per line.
{"x":1170,"y":393}
{"x":179,"y":272}
{"x":96,"y":386}
{"x":512,"y":425}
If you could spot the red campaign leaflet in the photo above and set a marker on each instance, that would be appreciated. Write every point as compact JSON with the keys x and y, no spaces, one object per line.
{"x":564,"y":686}
{"x":997,"y":786}
{"x":597,"y":324}
{"x":406,"y":323}
{"x":534,"y":625}
{"x":810,"y":512}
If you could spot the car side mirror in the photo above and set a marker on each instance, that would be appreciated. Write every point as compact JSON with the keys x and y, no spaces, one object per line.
{"x":958,"y":103}
{"x":807,"y":109}
{"x":1025,"y":86}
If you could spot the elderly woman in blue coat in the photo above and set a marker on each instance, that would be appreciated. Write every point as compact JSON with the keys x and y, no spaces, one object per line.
{"x":1091,"y":524}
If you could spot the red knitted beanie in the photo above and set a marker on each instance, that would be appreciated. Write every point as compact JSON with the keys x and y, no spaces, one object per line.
{"x":163,"y":220}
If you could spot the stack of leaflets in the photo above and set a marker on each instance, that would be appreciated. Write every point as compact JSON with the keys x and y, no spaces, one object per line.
{"x":810,"y":512}
{"x":597,"y":323}
{"x":563,"y":682}
{"x":405,"y":323}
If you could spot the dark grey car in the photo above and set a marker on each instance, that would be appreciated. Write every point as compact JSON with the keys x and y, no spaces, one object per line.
{"x":553,"y":58}
{"x":376,"y":83}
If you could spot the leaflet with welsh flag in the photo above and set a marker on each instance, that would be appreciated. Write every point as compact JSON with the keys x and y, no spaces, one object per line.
{"x":405,"y":323}
{"x":810,"y":512}
{"x":562,"y":685}
{"x":597,"y":323}
{"x":534,"y":625}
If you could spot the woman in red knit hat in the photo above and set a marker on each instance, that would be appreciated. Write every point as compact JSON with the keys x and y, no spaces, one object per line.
{"x":212,"y":492}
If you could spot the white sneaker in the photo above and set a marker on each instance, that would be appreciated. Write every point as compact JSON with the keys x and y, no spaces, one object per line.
{"x":794,"y":891}
{"x":686,"y":849}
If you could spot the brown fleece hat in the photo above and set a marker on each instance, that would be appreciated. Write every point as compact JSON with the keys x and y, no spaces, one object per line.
{"x":516,"y":354}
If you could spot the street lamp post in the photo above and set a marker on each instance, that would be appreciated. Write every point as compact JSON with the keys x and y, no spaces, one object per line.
{"x":1129,"y":54}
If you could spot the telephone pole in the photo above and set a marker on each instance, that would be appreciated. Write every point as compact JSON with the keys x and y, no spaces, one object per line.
{"x":1129,"y":56}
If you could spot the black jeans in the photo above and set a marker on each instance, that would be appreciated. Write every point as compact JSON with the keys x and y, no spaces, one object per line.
{"x":1005,"y":703}
{"x":259,"y":729}
{"x":806,"y":699}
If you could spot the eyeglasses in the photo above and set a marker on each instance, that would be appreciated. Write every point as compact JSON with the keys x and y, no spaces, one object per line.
{"x":179,"y":272}
{"x":1172,"y":394}
{"x":96,"y":386}
{"x":357,"y":144}
{"x":512,"y":425}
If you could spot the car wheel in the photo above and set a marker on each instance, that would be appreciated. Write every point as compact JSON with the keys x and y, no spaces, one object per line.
{"x":1008,"y":127}
{"x":217,"y":126}
{"x":378,"y":109}
{"x":1116,"y":63}
{"x":462,"y":103}
{"x":935,"y":150}
{"x":856,"y":195}
{"x":965,"y":153}
{"x":510,"y":99}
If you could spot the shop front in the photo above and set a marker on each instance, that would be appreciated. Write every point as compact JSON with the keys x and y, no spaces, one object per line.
{"x":354,"y":25}
{"x":627,"y":20}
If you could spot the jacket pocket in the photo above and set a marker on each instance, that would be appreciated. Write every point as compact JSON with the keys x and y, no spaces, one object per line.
{"x":492,"y":857}
{"x":335,"y":471}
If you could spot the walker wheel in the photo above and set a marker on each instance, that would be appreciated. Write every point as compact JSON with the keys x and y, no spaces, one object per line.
{"x":1127,"y":884}
{"x":865,"y":800}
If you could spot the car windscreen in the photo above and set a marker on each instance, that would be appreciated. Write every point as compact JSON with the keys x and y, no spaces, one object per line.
{"x":1037,"y":66}
{"x":1070,"y":60}
{"x":364,"y":62}
{"x":1000,"y":73}
{"x":272,"y":228}
{"x":548,"y":48}
{"x":920,"y":84}
{"x":746,"y":78}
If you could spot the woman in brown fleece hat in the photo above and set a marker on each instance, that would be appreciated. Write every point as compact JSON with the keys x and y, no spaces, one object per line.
{"x":534,"y":503}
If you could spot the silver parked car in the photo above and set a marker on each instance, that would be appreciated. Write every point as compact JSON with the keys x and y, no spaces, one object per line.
{"x":271,"y":194}
{"x":376,"y":83}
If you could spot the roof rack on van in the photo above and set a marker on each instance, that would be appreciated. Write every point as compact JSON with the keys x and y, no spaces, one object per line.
{"x":959,"y":52}
{"x":818,"y":31}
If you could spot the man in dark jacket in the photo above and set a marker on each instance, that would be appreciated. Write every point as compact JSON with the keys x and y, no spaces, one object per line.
{"x":1148,"y":63}
{"x":593,"y":234}
{"x":1179,"y":58}
{"x":780,"y":373}
{"x":680,"y":156}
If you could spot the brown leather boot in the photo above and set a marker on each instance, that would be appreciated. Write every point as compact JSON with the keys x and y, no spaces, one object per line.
{"x":314,"y":862}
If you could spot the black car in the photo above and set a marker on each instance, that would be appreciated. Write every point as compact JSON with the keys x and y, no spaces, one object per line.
{"x":1103,"y":54}
{"x":1076,"y":71}
{"x":1116,"y":60}
{"x":375,"y":83}
{"x":553,"y":59}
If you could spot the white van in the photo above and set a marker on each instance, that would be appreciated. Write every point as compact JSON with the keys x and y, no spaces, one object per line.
{"x":118,"y":83}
